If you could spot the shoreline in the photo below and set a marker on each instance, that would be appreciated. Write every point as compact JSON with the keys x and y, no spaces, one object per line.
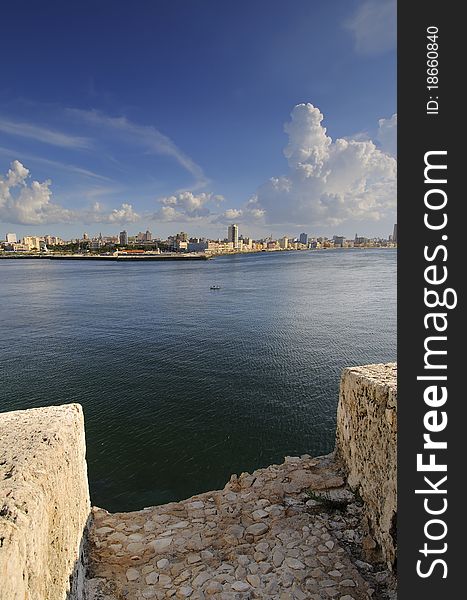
{"x":167,"y":256}
{"x":98,"y":257}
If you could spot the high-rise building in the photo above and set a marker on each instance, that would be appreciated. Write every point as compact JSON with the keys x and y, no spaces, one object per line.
{"x":304,"y":238}
{"x":232,"y":234}
{"x":123,"y":238}
{"x":394,"y":234}
{"x":11,"y":238}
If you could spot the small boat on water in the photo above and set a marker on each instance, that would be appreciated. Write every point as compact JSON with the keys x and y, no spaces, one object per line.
{"x":215,"y":287}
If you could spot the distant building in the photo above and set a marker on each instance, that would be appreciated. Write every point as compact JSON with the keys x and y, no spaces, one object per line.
{"x":181,"y":246}
{"x":97,"y":243}
{"x":11,"y":238}
{"x":111,"y":239}
{"x":359,"y":240}
{"x":394,"y":234}
{"x":33,"y":242}
{"x":181,"y":237}
{"x":197,"y":246}
{"x":338,"y":241}
{"x":16,"y":247}
{"x":232,"y":234}
{"x":123,"y":238}
{"x":144,"y":236}
{"x":53,"y":240}
{"x":284,"y":242}
{"x":303,"y":239}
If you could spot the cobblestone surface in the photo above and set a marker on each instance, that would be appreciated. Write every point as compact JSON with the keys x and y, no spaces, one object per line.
{"x":273,"y":534}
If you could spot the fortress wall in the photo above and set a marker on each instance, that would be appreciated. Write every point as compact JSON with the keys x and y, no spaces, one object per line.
{"x":44,"y":503}
{"x":44,"y":495}
{"x":366,"y":442}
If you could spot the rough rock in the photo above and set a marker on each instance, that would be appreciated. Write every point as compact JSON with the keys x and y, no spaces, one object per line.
{"x":44,"y":503}
{"x":366,"y":442}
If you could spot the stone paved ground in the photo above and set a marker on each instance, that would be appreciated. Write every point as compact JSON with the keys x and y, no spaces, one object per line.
{"x":262,"y":536}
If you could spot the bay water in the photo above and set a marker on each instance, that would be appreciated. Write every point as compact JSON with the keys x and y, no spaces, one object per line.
{"x":182,"y":385}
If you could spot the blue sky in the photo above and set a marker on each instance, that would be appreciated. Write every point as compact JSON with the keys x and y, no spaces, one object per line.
{"x":170,"y":114}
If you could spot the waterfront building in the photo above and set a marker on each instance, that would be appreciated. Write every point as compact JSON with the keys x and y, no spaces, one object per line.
{"x":144,"y":236}
{"x":232,"y":234}
{"x":338,"y":241}
{"x":181,"y":237}
{"x":11,"y":238}
{"x":123,"y":238}
{"x":111,"y":240}
{"x":33,"y":242}
{"x":53,"y":240}
{"x":181,"y":246}
{"x":284,"y":243}
{"x":97,"y":243}
{"x":16,"y":247}
{"x":197,"y":246}
{"x":359,"y":240}
{"x":303,"y":239}
{"x":394,"y":234}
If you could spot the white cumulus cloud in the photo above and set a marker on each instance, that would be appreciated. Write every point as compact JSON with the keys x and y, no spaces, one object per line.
{"x":187,"y":206}
{"x":28,"y":202}
{"x":122,"y":215}
{"x":387,"y":135}
{"x":249,"y":213}
{"x":329,"y":181}
{"x":232,"y":214}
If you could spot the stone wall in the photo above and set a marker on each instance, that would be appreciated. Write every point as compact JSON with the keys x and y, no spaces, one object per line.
{"x":45,"y":507}
{"x":44,"y":503}
{"x":366,"y":441}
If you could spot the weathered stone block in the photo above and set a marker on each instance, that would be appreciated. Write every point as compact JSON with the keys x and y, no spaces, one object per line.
{"x":366,"y":442}
{"x":44,"y":503}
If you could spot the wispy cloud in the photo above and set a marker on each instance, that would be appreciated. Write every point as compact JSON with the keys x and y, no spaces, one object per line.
{"x":373,"y":26}
{"x":43,"y":134}
{"x":146,"y":136}
{"x":53,"y":163}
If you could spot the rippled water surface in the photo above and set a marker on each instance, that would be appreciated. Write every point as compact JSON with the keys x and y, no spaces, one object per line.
{"x":181,"y":385}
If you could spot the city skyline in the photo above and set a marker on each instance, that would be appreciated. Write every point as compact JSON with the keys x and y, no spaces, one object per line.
{"x":233,"y":234}
{"x":277,"y":132}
